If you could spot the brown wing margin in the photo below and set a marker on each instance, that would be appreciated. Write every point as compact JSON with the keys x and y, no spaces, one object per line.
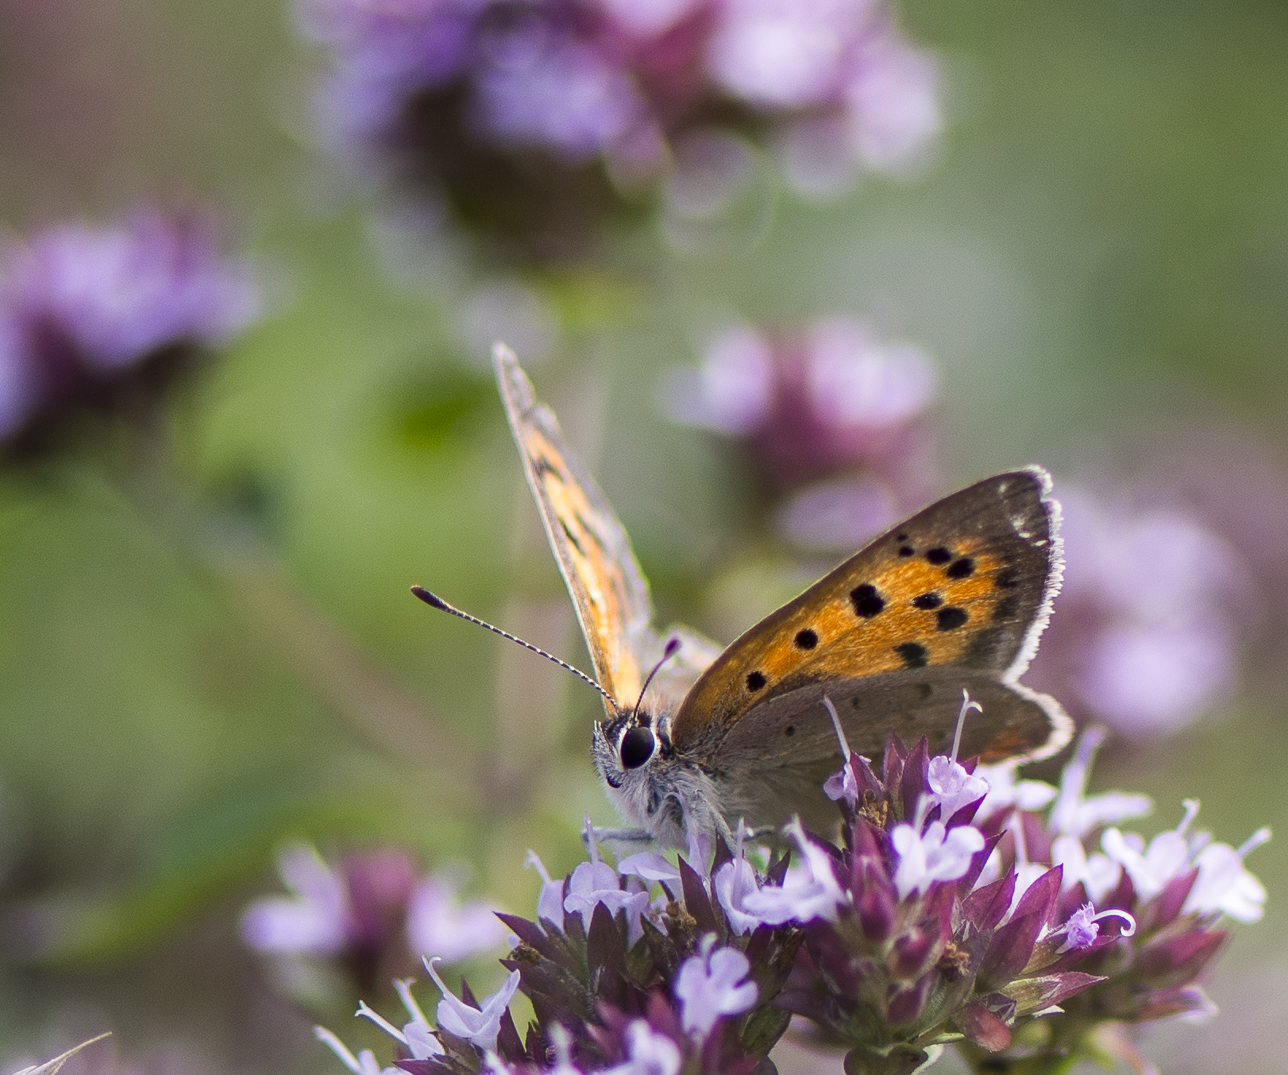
{"x":590,"y":544}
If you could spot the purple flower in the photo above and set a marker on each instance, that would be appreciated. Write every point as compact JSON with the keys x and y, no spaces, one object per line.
{"x":537,"y":120}
{"x":314,"y":920}
{"x":839,"y":60}
{"x":905,"y":935}
{"x":831,"y":416}
{"x":437,"y":923}
{"x":807,"y":892}
{"x":952,"y":787}
{"x":550,"y":904}
{"x":650,"y":1053}
{"x":1006,"y":791}
{"x":711,"y":985}
{"x":938,"y":854}
{"x":87,"y":313}
{"x":732,"y":883}
{"x":595,"y":883}
{"x":1081,"y":928}
{"x":1149,"y":619}
{"x":480,"y":1023}
{"x":417,"y":1035}
{"x":1224,"y":886}
{"x":1075,"y":813}
{"x":1152,"y":866}
{"x":364,"y":1063}
{"x":366,"y":917}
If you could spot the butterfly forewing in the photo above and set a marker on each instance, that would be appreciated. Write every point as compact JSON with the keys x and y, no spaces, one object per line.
{"x":589,"y":541}
{"x":957,"y":595}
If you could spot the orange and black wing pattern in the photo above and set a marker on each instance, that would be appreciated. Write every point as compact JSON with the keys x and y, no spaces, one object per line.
{"x":964,"y":585}
{"x":589,"y":542}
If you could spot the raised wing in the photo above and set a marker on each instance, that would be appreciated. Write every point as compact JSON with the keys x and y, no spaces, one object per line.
{"x":589,"y":542}
{"x":954,"y":597}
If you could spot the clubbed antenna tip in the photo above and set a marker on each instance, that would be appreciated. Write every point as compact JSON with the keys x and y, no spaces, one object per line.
{"x":432,"y":600}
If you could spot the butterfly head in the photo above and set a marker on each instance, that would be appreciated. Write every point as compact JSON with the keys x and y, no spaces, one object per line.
{"x":629,"y":743}
{"x":648,"y":781}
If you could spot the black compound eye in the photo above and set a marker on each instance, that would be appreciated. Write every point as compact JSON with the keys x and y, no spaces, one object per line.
{"x":637,"y":747}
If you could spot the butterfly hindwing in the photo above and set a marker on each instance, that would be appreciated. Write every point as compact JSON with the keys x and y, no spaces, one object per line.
{"x":784,"y":749}
{"x":594,"y":554}
{"x":956,"y":595}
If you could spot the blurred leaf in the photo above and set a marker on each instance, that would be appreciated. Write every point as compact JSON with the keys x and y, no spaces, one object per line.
{"x":445,"y":407}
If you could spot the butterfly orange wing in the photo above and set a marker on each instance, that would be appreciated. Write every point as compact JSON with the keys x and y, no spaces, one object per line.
{"x":954,"y":597}
{"x":589,"y":542}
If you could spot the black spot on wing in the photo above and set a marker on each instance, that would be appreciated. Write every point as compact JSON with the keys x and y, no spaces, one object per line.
{"x":588,"y":529}
{"x":914,"y":654}
{"x":960,"y":569}
{"x":906,"y":550}
{"x":543,"y":466}
{"x":1007,"y":579}
{"x":867,"y":601}
{"x":572,"y":538}
{"x":939,"y":555}
{"x":790,"y":730}
{"x":949,"y":619}
{"x":928,"y":601}
{"x":755,"y":681}
{"x":806,"y":639}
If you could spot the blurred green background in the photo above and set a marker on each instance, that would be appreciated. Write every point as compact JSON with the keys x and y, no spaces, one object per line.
{"x":1097,"y":259}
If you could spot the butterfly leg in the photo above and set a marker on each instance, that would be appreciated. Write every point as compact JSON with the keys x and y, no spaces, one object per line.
{"x":617,"y":836}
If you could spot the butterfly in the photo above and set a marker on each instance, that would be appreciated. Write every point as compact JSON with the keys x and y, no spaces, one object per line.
{"x":953,"y":598}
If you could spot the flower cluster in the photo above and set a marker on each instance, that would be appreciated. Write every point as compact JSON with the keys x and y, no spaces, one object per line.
{"x":833,"y":418}
{"x":534,"y":119}
{"x":618,"y":980}
{"x":103,"y":317}
{"x":961,"y":906}
{"x":365,"y":920}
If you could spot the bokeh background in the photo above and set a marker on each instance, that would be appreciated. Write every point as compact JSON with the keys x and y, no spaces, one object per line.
{"x":209,"y":657}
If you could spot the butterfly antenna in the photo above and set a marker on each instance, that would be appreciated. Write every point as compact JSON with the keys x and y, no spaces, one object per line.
{"x":672,"y":647}
{"x":434,"y":601}
{"x":967,"y":706}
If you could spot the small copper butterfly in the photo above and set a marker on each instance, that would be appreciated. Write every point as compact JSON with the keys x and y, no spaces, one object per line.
{"x":953,"y":598}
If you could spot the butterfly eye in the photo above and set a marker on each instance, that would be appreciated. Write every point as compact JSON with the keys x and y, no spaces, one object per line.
{"x":637,"y":747}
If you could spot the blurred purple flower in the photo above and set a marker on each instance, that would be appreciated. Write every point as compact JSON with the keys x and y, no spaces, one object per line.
{"x":369,"y":917}
{"x":1150,"y":616}
{"x":1224,"y":885}
{"x":833,"y":418}
{"x":1075,"y":813}
{"x":648,"y":1052}
{"x":315,"y":920}
{"x":89,"y":314}
{"x":835,"y":62}
{"x":537,"y":119}
{"x":438,"y":924}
